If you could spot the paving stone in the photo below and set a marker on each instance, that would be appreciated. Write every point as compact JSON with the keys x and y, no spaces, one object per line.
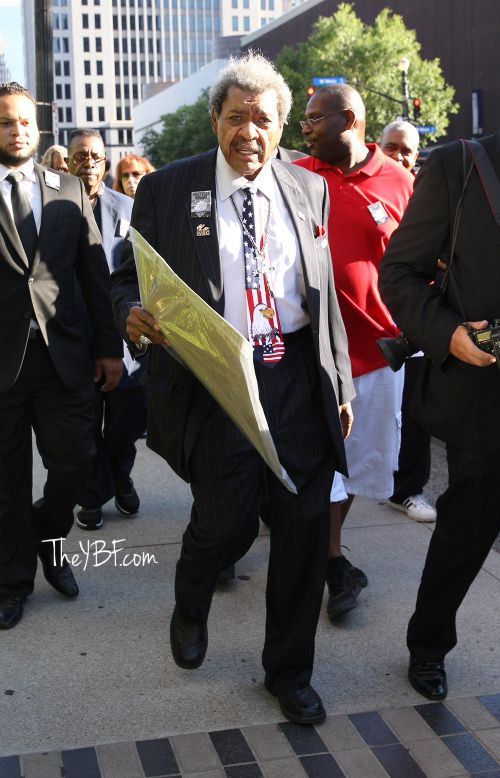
{"x":435,"y":759}
{"x":398,"y":762}
{"x":373,"y":729}
{"x":283,"y":768}
{"x":267,"y":742}
{"x":304,"y":740}
{"x":439,"y":718}
{"x":492,"y":702}
{"x":472,"y":713}
{"x":321,"y":766}
{"x":407,"y":724}
{"x":491,"y":739}
{"x":244,"y":771}
{"x":195,"y":752}
{"x":231,"y":747}
{"x":206,"y":774}
{"x":157,"y":757}
{"x":339,"y":734}
{"x":470,"y":753}
{"x":40,"y":765}
{"x":80,"y":763}
{"x":119,"y":760}
{"x":360,"y":763}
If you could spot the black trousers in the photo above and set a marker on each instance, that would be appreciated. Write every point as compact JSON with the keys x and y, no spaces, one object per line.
{"x":63,"y":422}
{"x":468,"y":521}
{"x":232,"y":486}
{"x":414,"y":464}
{"x":121,"y":418}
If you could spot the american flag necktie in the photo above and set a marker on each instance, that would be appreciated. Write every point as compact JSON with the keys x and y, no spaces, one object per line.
{"x":262,"y":313}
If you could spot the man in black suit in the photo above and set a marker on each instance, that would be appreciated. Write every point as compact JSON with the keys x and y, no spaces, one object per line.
{"x":49,"y":250}
{"x":457,"y":399}
{"x":121,"y":414}
{"x":193,"y":211}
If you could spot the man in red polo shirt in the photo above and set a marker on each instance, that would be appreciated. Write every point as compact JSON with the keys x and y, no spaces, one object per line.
{"x":368,"y":196}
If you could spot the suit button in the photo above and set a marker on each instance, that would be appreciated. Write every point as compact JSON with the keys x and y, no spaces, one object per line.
{"x":31,"y":280}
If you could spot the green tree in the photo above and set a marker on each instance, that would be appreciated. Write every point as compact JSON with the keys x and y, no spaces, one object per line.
{"x":185,"y":132}
{"x":368,"y":56}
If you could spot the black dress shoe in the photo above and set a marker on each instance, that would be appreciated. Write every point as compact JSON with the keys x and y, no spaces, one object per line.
{"x":428,"y":678}
{"x":302,"y":706}
{"x":188,"y":641}
{"x":59,"y":576}
{"x":11,"y":609}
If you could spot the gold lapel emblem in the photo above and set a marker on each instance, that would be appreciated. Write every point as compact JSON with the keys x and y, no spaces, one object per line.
{"x":202,"y":231}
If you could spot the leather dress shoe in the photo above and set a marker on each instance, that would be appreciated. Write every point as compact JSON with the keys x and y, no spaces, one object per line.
{"x":302,"y":706}
{"x":59,"y":576}
{"x":11,"y":610}
{"x":188,"y":641}
{"x":428,"y":678}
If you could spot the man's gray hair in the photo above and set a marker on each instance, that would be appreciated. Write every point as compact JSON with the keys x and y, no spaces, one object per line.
{"x":252,"y":73}
{"x":402,"y":126}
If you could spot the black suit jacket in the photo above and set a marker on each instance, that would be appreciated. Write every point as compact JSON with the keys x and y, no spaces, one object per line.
{"x":68,"y":255}
{"x":456,"y":401}
{"x":162,"y":214}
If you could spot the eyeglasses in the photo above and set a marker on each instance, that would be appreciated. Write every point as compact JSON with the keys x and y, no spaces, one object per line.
{"x":313,"y":122}
{"x":79,"y":158}
{"x":132,"y":173}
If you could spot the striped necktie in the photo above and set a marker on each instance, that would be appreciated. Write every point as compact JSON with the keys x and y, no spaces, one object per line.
{"x":23,"y":215}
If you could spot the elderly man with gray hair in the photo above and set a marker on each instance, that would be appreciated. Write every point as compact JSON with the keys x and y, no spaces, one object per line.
{"x":246,"y":231}
{"x":400,"y":140}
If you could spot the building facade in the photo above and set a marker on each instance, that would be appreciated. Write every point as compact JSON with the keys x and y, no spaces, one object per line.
{"x":109,"y":55}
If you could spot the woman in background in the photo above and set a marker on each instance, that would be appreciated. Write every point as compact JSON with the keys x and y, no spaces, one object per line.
{"x":55,"y":157}
{"x":129,"y":172}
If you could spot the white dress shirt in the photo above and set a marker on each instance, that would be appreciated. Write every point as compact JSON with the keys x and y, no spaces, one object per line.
{"x":30,"y":185}
{"x":287,"y":278}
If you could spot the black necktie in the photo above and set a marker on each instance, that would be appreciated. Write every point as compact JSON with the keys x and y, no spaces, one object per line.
{"x":23,"y":216}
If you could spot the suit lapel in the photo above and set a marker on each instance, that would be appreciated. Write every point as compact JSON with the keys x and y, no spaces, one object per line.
{"x":204,"y":230}
{"x":50,"y":207}
{"x":299,"y":210}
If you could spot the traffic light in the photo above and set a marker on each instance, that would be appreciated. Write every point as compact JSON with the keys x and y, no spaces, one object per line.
{"x":417,"y":104}
{"x":310,"y":91}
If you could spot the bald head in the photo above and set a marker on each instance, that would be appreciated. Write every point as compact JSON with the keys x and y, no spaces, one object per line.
{"x":343,"y":97}
{"x":400,"y":141}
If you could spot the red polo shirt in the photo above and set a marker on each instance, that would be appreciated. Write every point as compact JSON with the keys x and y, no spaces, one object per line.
{"x":358,"y":237}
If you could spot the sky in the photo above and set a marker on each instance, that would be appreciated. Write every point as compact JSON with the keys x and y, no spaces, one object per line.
{"x":11,"y":38}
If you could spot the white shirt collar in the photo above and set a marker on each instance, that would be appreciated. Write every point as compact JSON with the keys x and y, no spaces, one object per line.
{"x":229,"y":181}
{"x":28,"y":169}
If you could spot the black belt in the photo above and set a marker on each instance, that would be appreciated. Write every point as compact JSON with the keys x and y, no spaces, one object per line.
{"x":294,"y":337}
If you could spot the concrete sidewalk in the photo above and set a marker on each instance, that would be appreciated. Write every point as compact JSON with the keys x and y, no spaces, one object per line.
{"x":98,"y":671}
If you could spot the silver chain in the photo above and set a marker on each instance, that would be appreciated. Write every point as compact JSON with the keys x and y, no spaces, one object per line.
{"x":247,"y":233}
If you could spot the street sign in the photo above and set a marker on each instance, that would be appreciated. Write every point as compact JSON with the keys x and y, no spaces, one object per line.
{"x":327,"y":80}
{"x":423,"y":128}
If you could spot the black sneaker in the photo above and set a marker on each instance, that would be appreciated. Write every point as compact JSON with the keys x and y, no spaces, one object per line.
{"x":358,"y":575}
{"x":126,"y":498}
{"x":343,"y":588}
{"x":89,"y":518}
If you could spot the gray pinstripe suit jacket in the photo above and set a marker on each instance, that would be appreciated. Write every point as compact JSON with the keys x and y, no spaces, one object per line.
{"x":162,"y":214}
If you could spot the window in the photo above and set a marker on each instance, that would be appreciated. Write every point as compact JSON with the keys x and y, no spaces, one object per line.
{"x":65,"y":45}
{"x":234,"y":23}
{"x":66,"y":68}
{"x":69,"y":115}
{"x":60,"y":114}
{"x":67,"y":91}
{"x":57,"y":45}
{"x":124,"y":45}
{"x":119,"y":114}
{"x":57,"y":68}
{"x":58,"y":91}
{"x":86,"y":67}
{"x":97,"y":21}
{"x":116,"y":45}
{"x":88,"y":91}
{"x":133,"y":45}
{"x":135,"y":92}
{"x":126,"y":91}
{"x":234,"y":3}
{"x":118,"y":91}
{"x":129,"y":137}
{"x":98,"y":44}
{"x":271,"y":5}
{"x":99,"y":67}
{"x":100,"y":91}
{"x":86,"y":44}
{"x":89,"y":114}
{"x":85,"y":21}
{"x":56,"y":21}
{"x":246,"y":24}
{"x":115,"y":22}
{"x":134,"y":67}
{"x":246,"y":3}
{"x":101,"y":113}
{"x":64,"y":21}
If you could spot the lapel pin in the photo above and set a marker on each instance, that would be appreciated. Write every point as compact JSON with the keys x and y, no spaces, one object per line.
{"x":201,"y":204}
{"x":52,"y":179}
{"x":202,"y":231}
